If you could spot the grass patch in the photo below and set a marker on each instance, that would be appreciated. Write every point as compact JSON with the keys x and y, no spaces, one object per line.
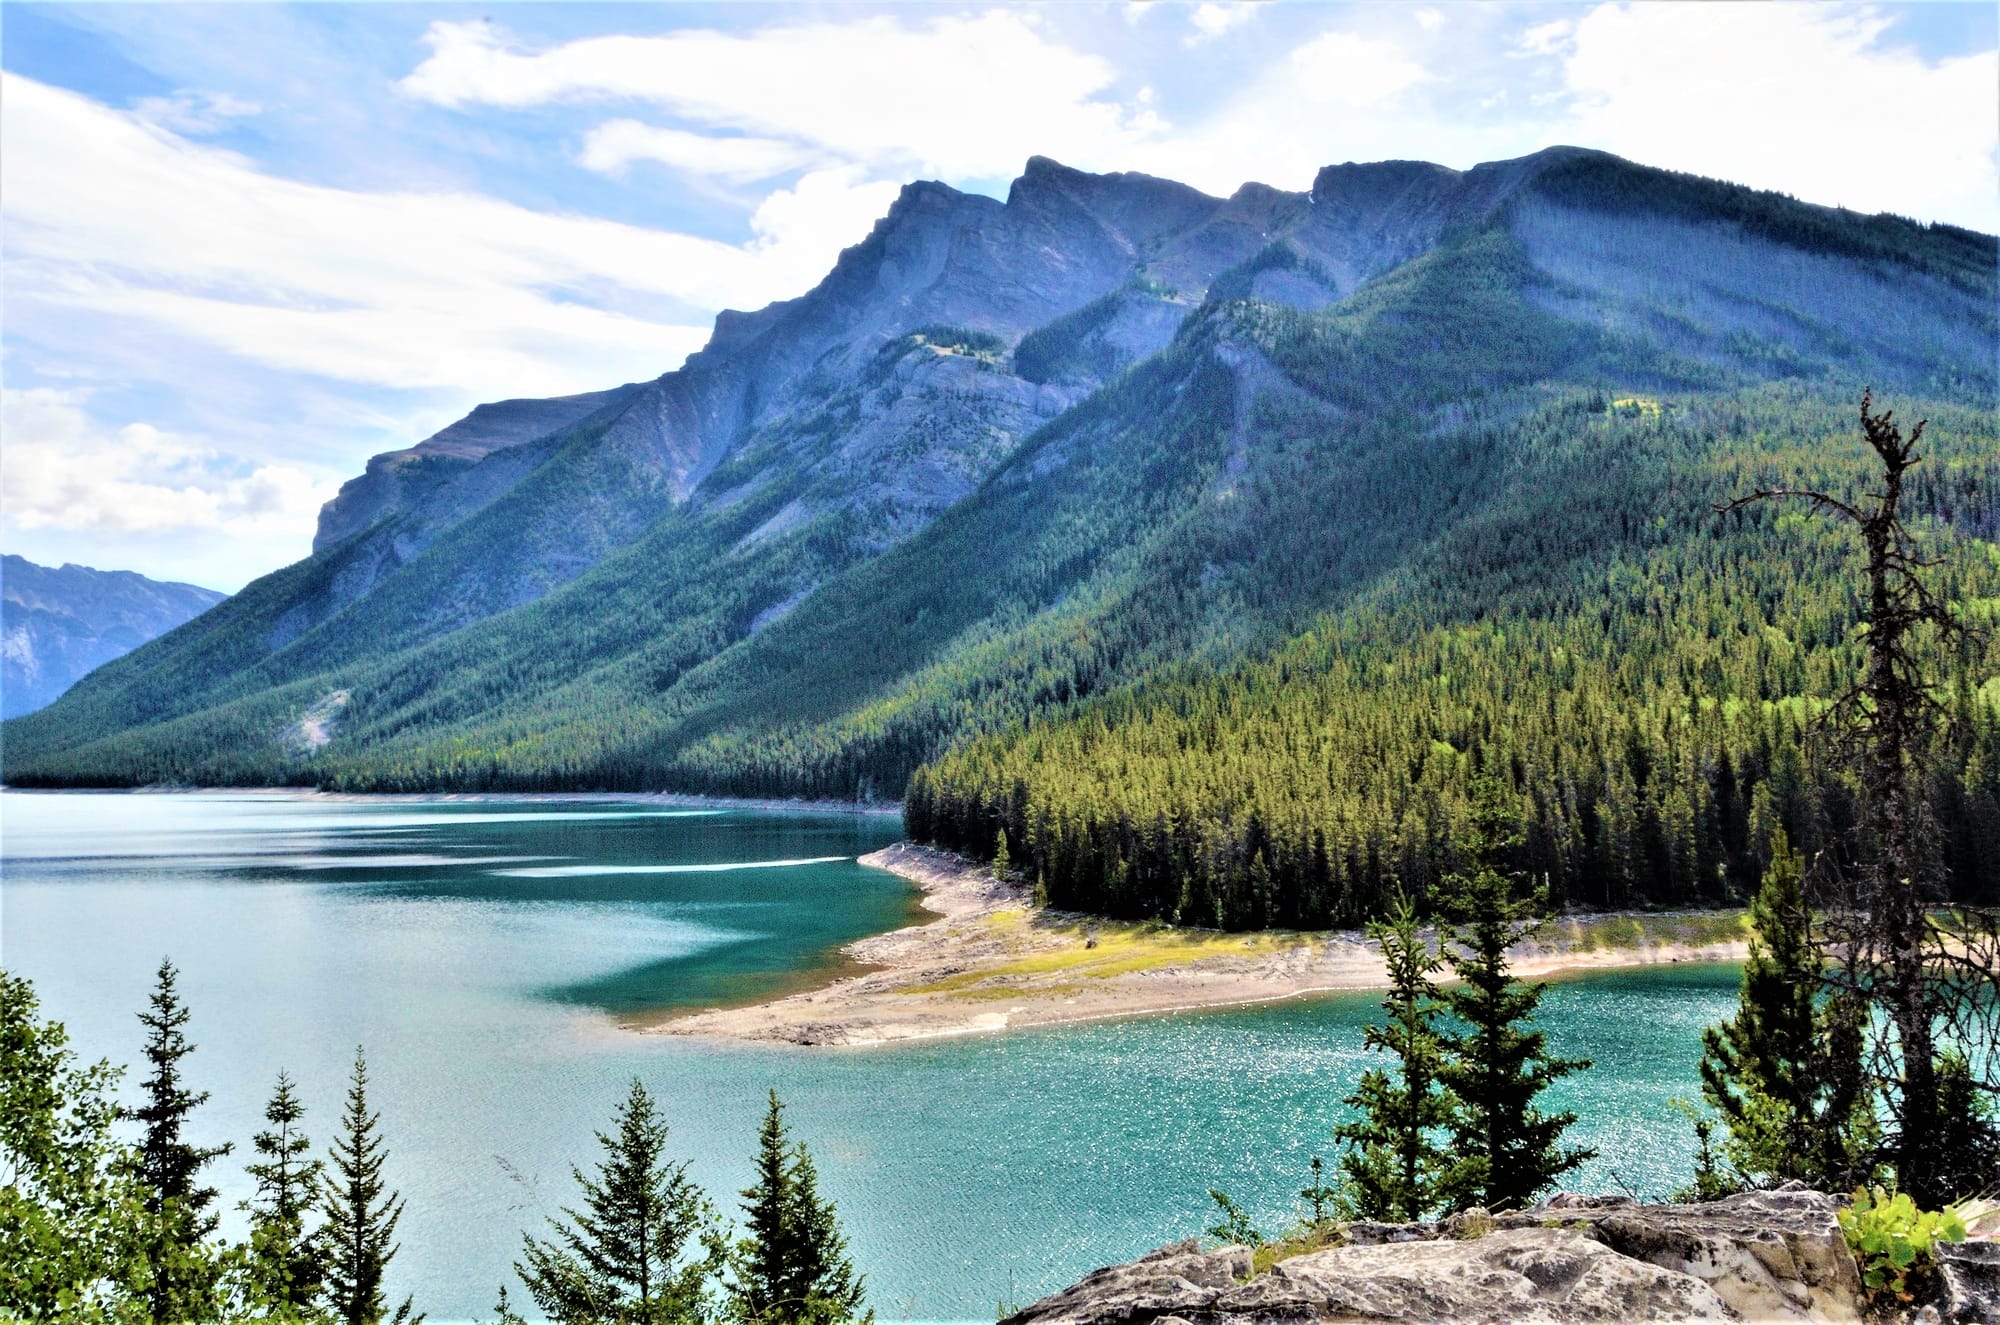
{"x":1118,"y":949}
{"x":1623,"y":933}
{"x":1308,"y":1239}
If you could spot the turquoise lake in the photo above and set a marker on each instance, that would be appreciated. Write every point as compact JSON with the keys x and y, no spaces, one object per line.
{"x":485,"y":952}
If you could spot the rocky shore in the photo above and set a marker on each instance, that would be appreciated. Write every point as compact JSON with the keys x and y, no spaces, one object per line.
{"x":1758,"y":1256}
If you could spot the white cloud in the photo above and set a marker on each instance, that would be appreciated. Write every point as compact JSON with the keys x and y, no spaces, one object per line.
{"x":1430,"y":20}
{"x":189,"y":112}
{"x":614,"y":145}
{"x":109,"y":214}
{"x":1214,"y":17}
{"x":64,"y":471}
{"x":1546,"y":38}
{"x":1808,"y":99}
{"x":965,"y":97}
{"x":1350,"y":70}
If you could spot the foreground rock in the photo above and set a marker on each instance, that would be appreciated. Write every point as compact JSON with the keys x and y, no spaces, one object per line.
{"x":1761,"y":1256}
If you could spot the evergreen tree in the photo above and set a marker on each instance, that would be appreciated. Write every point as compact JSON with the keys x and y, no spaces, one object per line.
{"x":1771,"y":1071}
{"x":621,"y":1259}
{"x":792,"y":1267}
{"x":1394,"y":1167}
{"x":1507,"y":1151}
{"x":286,"y":1264}
{"x":360,"y":1212}
{"x":1003,"y":860}
{"x":185,"y":1269}
{"x":1970,"y":1132}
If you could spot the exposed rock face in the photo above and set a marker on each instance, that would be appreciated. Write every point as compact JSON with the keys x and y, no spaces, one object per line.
{"x":1764,"y":1256}
{"x":1971,"y":1279}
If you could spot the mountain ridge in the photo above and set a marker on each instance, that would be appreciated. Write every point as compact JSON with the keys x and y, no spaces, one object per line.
{"x":1008,"y":457}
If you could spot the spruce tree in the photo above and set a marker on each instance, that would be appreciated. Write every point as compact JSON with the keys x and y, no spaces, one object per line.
{"x":360,"y":1213}
{"x":286,"y":1263}
{"x":1774,"y":1070}
{"x":1394,"y":1166}
{"x":792,"y":1267}
{"x":185,"y":1270}
{"x":624,"y":1256}
{"x":1507,"y":1151}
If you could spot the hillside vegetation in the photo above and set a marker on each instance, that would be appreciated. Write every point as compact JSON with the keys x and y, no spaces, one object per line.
{"x":1208,"y":548}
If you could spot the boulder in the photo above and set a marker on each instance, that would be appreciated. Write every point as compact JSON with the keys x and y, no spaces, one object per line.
{"x":1760,"y":1256}
{"x":1970,"y":1277}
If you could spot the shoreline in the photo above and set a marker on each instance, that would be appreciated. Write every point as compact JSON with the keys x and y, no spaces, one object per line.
{"x":989,"y":961}
{"x":678,"y":799}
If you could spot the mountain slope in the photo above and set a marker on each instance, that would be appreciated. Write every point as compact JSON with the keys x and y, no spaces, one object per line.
{"x":57,"y":623}
{"x":1008,"y":458}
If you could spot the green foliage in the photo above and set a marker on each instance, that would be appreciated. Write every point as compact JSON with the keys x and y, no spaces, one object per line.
{"x":1783,"y":1073}
{"x":1893,"y":1240}
{"x":361,"y":1213}
{"x":285,"y":1264}
{"x":1320,"y":1199}
{"x":1234,"y":1228}
{"x":1507,"y":1151}
{"x":625,"y":1257}
{"x":1395,"y":1166}
{"x":1968,"y":1131}
{"x":186,"y":1276}
{"x":72,"y":1213}
{"x":791,"y":1267}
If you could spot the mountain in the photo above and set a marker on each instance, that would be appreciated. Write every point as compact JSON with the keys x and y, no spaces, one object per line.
{"x":1113,"y":458}
{"x":58,"y":624}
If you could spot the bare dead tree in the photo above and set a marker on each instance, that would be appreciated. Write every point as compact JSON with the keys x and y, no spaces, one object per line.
{"x":1930,"y":970}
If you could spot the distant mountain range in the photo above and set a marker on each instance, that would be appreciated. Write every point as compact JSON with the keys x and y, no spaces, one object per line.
{"x":1026,"y":468}
{"x":58,"y":624}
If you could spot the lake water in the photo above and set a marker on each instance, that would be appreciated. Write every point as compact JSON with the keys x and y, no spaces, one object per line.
{"x":486,"y":954}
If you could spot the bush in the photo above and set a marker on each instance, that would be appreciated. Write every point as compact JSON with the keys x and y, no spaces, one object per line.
{"x":1892,"y":1239}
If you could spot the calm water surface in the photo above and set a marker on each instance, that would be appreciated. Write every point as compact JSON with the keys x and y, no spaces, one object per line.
{"x":485,"y":952}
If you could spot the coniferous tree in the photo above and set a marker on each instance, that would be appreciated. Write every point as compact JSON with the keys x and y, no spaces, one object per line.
{"x":1394,"y":1166}
{"x":623,"y":1258}
{"x":360,"y":1212}
{"x":1507,"y":1151}
{"x":1770,"y":1071}
{"x":1935,"y":982}
{"x":792,"y":1266}
{"x":185,"y":1269}
{"x":286,"y":1264}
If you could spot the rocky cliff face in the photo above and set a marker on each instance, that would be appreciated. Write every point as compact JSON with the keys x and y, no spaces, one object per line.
{"x":1005,"y":454}
{"x":56,"y":624}
{"x":1762,"y":1256}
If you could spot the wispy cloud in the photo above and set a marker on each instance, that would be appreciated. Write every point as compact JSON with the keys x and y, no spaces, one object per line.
{"x":109,"y":213}
{"x":1815,"y":100}
{"x":962,"y":97}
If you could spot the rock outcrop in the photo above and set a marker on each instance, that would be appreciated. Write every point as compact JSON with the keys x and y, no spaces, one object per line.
{"x":1760,"y":1256}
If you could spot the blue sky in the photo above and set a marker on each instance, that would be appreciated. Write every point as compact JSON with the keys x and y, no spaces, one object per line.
{"x":243,"y":247}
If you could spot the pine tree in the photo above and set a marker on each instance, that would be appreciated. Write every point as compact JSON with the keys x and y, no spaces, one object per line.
{"x":186,"y":1273}
{"x":792,"y":1268}
{"x":1394,"y":1167}
{"x":286,"y":1259}
{"x":1003,"y":860}
{"x":622,"y":1257}
{"x":1508,"y":1151}
{"x":360,"y":1212}
{"x":1772,"y":1071}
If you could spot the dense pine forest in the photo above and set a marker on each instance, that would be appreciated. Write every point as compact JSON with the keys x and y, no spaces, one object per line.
{"x":1215,"y":590}
{"x":1640,"y":674}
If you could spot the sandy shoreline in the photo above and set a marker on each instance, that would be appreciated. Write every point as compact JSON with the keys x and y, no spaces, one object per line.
{"x":992,"y":962}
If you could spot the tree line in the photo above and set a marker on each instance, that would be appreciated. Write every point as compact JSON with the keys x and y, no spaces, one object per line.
{"x":95,"y":1229}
